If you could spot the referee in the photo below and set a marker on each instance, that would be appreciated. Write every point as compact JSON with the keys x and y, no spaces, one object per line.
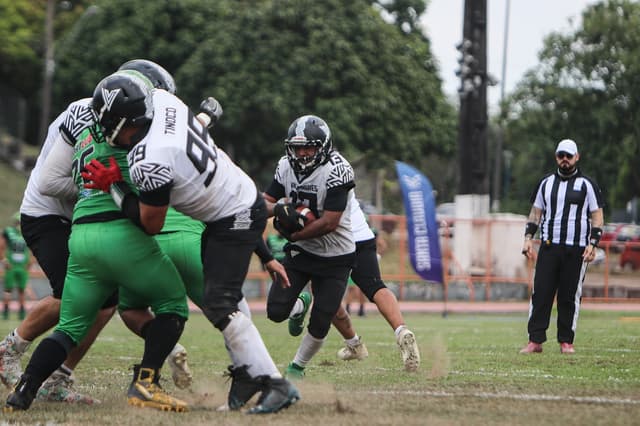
{"x":567,"y":208}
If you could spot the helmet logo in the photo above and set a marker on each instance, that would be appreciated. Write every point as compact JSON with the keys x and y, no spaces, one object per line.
{"x":109,"y":96}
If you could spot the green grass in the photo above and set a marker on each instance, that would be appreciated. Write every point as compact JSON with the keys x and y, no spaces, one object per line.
{"x":471,"y":374}
{"x":11,"y":190}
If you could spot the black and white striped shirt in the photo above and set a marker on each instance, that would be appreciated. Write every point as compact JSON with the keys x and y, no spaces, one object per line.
{"x":566,"y":205}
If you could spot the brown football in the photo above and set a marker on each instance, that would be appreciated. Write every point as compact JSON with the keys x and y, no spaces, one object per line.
{"x":306,"y":214}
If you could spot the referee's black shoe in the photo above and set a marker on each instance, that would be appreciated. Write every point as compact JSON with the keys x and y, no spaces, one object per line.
{"x":22,"y":396}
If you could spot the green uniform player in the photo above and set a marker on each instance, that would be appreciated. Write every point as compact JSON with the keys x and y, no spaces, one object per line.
{"x":17,"y":259}
{"x":108,"y":252}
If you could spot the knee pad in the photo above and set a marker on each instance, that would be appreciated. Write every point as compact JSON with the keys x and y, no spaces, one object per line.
{"x":319,"y":324}
{"x":276,"y":312}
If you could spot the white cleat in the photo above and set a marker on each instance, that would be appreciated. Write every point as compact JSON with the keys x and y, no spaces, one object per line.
{"x":409,"y":349}
{"x":349,"y":352}
{"x":180,"y":372}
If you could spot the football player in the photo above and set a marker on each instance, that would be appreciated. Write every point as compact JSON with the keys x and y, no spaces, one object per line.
{"x":366,"y":275}
{"x":98,"y":266}
{"x":322,"y":252}
{"x":173,"y":159}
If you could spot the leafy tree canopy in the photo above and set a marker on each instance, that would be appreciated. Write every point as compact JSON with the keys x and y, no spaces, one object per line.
{"x":271,"y":61}
{"x":584,"y":89}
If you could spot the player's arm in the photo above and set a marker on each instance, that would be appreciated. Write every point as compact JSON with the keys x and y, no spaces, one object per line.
{"x":274,"y":192}
{"x":55,"y":179}
{"x":334,"y":206}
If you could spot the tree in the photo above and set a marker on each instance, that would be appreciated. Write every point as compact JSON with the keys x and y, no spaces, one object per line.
{"x":271,"y":61}
{"x":584,"y":89}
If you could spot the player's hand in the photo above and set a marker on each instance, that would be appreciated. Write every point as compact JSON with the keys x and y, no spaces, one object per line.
{"x":281,"y":229}
{"x":99,"y":176}
{"x":288,"y":217}
{"x":278,"y":273}
{"x":212,"y":109}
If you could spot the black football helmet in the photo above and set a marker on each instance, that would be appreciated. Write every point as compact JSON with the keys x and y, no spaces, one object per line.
{"x":308,"y":130}
{"x":159,"y":77}
{"x":119,"y":99}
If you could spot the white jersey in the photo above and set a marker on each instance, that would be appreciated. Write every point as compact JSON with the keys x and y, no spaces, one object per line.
{"x":312,"y":191}
{"x":359,"y":225}
{"x":34,"y":202}
{"x":178,"y":151}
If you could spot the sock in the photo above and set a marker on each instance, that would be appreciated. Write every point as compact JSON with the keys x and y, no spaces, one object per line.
{"x":354,"y":341}
{"x":21,"y":345}
{"x":65,"y":370}
{"x":245,"y":347}
{"x":399,"y":329}
{"x":163,"y":333}
{"x":298,"y":308}
{"x":309,"y":346}
{"x":243,"y":306}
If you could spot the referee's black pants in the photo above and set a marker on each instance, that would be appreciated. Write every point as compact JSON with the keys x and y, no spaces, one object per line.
{"x":559,"y":270}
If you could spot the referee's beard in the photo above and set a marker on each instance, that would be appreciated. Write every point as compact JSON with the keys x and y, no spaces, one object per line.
{"x":566,"y":170}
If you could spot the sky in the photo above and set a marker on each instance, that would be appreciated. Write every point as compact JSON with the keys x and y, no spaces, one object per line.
{"x":529,"y":22}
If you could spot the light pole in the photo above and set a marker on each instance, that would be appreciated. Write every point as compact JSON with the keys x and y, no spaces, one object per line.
{"x":497,"y":171}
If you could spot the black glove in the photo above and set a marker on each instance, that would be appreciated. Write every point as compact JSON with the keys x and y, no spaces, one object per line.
{"x":278,"y":226}
{"x":212,"y":108}
{"x":288,"y":218}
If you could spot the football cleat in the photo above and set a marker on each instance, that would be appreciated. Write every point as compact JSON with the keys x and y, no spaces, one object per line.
{"x":22,"y":396}
{"x":277,"y":395}
{"x":531,"y":348}
{"x":145,"y":391}
{"x":409,"y":350}
{"x":296,"y":322}
{"x":294,"y":372}
{"x":10,"y":368}
{"x":59,"y":388}
{"x":180,"y":372}
{"x":350,"y":352}
{"x":243,"y":387}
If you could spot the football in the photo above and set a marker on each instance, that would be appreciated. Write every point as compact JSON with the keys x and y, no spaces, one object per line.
{"x":306,"y":215}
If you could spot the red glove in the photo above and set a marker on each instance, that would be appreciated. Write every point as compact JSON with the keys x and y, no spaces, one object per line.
{"x":98,"y":176}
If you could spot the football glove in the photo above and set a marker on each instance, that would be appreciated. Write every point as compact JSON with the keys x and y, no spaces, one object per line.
{"x":211,"y":108}
{"x":288,"y":217}
{"x":99,"y":176}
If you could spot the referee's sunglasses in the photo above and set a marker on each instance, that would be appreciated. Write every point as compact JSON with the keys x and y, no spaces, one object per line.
{"x":563,"y":154}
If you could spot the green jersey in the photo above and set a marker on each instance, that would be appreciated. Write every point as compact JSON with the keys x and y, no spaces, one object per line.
{"x":90,"y":144}
{"x":17,"y":253}
{"x":276,"y":243}
{"x":176,"y":221}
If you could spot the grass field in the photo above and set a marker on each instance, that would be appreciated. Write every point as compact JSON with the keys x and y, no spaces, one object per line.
{"x":471,"y":374}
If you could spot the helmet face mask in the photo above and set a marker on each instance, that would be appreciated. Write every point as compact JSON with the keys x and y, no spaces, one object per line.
{"x":121,"y":99}
{"x":308,"y":131}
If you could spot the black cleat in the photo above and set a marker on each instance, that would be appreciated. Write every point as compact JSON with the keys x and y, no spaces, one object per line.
{"x":22,"y":396}
{"x":243,"y":386}
{"x":277,"y":395}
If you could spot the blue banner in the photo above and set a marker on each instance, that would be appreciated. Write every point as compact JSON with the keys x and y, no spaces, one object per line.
{"x":422,"y":228}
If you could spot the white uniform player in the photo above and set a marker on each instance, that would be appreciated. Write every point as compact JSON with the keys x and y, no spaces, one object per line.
{"x":173,"y":160}
{"x":366,"y":275}
{"x":323,"y":251}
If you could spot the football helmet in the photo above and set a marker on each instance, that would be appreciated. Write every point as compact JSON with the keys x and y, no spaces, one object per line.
{"x":159,"y":77}
{"x":306,"y":131}
{"x":119,"y":99}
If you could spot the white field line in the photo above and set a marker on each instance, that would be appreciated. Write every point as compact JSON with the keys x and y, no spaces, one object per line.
{"x":521,"y":397}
